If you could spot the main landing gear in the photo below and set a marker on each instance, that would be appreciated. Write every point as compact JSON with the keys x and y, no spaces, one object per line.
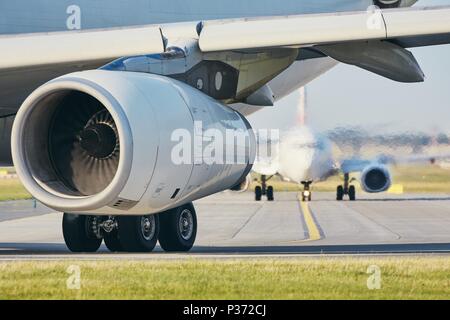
{"x":176,"y":230}
{"x":346,"y":189}
{"x":306,"y":193}
{"x":264,"y":190}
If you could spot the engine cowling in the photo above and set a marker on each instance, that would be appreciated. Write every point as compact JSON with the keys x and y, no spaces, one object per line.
{"x":386,"y":4}
{"x":243,"y":185}
{"x":103,"y":142}
{"x":375,"y":179}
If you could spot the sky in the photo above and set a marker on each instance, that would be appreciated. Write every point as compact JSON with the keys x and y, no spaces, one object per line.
{"x":349,"y":96}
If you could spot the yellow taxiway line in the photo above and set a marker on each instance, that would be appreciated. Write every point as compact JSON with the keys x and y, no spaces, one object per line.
{"x":313,"y":229}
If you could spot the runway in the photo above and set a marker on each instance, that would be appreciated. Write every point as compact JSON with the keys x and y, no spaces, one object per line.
{"x":233,"y":225}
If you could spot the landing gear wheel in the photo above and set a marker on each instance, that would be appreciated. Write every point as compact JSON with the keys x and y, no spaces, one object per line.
{"x":340,"y":193}
{"x":270,"y":196}
{"x":112,"y":241}
{"x":78,"y":232}
{"x":258,"y":193}
{"x":352,"y":193}
{"x":306,"y":196}
{"x":178,"y":229}
{"x":138,"y":233}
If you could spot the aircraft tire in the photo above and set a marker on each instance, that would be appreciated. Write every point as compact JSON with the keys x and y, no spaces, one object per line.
{"x":352,"y":193}
{"x":178,"y":229}
{"x":138,"y":233}
{"x":340,"y":193}
{"x":270,"y":194}
{"x":78,"y":235}
{"x":112,"y":241}
{"x":258,"y":193}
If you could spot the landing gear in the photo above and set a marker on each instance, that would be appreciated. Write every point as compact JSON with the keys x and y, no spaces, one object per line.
{"x":270,"y":196}
{"x":80,"y":233}
{"x":111,"y":235}
{"x":346,"y":189}
{"x":264,"y":190}
{"x":175,"y":229}
{"x":178,"y":229}
{"x":258,"y":193}
{"x":306,"y":193}
{"x":352,"y":193}
{"x":340,"y":193}
{"x":112,"y":242}
{"x":138,"y":233}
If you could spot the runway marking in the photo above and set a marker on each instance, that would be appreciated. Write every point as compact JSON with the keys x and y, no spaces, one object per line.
{"x":313,"y":230}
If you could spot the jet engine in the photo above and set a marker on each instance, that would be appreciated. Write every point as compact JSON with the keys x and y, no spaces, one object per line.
{"x":375,"y":179}
{"x":386,"y":4}
{"x":117,"y":143}
{"x":243,"y":185}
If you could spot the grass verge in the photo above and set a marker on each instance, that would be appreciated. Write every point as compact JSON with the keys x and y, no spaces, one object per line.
{"x":320,"y":278}
{"x":413,"y":178}
{"x":12,"y":189}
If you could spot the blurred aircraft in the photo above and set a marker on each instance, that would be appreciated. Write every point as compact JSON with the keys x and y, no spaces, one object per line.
{"x":304,"y":156}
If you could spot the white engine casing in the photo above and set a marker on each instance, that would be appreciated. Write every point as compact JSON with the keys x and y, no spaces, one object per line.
{"x":146,"y":110}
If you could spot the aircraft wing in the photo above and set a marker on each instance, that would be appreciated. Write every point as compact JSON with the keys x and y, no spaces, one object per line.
{"x":29,"y":60}
{"x":410,"y":27}
{"x":420,"y":158}
{"x":68,"y":47}
{"x":358,"y":165}
{"x":354,"y":165}
{"x":373,"y":40}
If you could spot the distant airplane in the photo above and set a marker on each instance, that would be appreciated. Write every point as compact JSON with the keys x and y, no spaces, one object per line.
{"x":97,"y":89}
{"x":303,"y":156}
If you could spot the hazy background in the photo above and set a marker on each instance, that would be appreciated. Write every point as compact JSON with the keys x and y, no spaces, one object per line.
{"x":349,"y":96}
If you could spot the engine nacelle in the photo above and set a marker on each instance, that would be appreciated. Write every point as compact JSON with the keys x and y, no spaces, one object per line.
{"x":117,"y":143}
{"x":243,"y":185}
{"x":386,"y":4}
{"x":375,"y":179}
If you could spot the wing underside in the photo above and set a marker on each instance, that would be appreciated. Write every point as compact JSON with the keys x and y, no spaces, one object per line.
{"x":374,"y":40}
{"x":415,"y":26}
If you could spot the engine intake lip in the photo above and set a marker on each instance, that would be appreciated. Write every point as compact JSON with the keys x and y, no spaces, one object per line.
{"x":46,"y":191}
{"x":387,"y":4}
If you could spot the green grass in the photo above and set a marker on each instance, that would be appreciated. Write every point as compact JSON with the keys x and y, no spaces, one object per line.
{"x":12,"y":189}
{"x":415,"y":179}
{"x":321,"y":278}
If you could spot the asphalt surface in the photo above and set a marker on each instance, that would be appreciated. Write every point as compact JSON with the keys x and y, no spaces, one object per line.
{"x":234,"y":225}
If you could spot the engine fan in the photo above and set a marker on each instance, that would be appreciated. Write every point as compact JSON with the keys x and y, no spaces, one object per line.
{"x":83,"y":144}
{"x":376,"y":178}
